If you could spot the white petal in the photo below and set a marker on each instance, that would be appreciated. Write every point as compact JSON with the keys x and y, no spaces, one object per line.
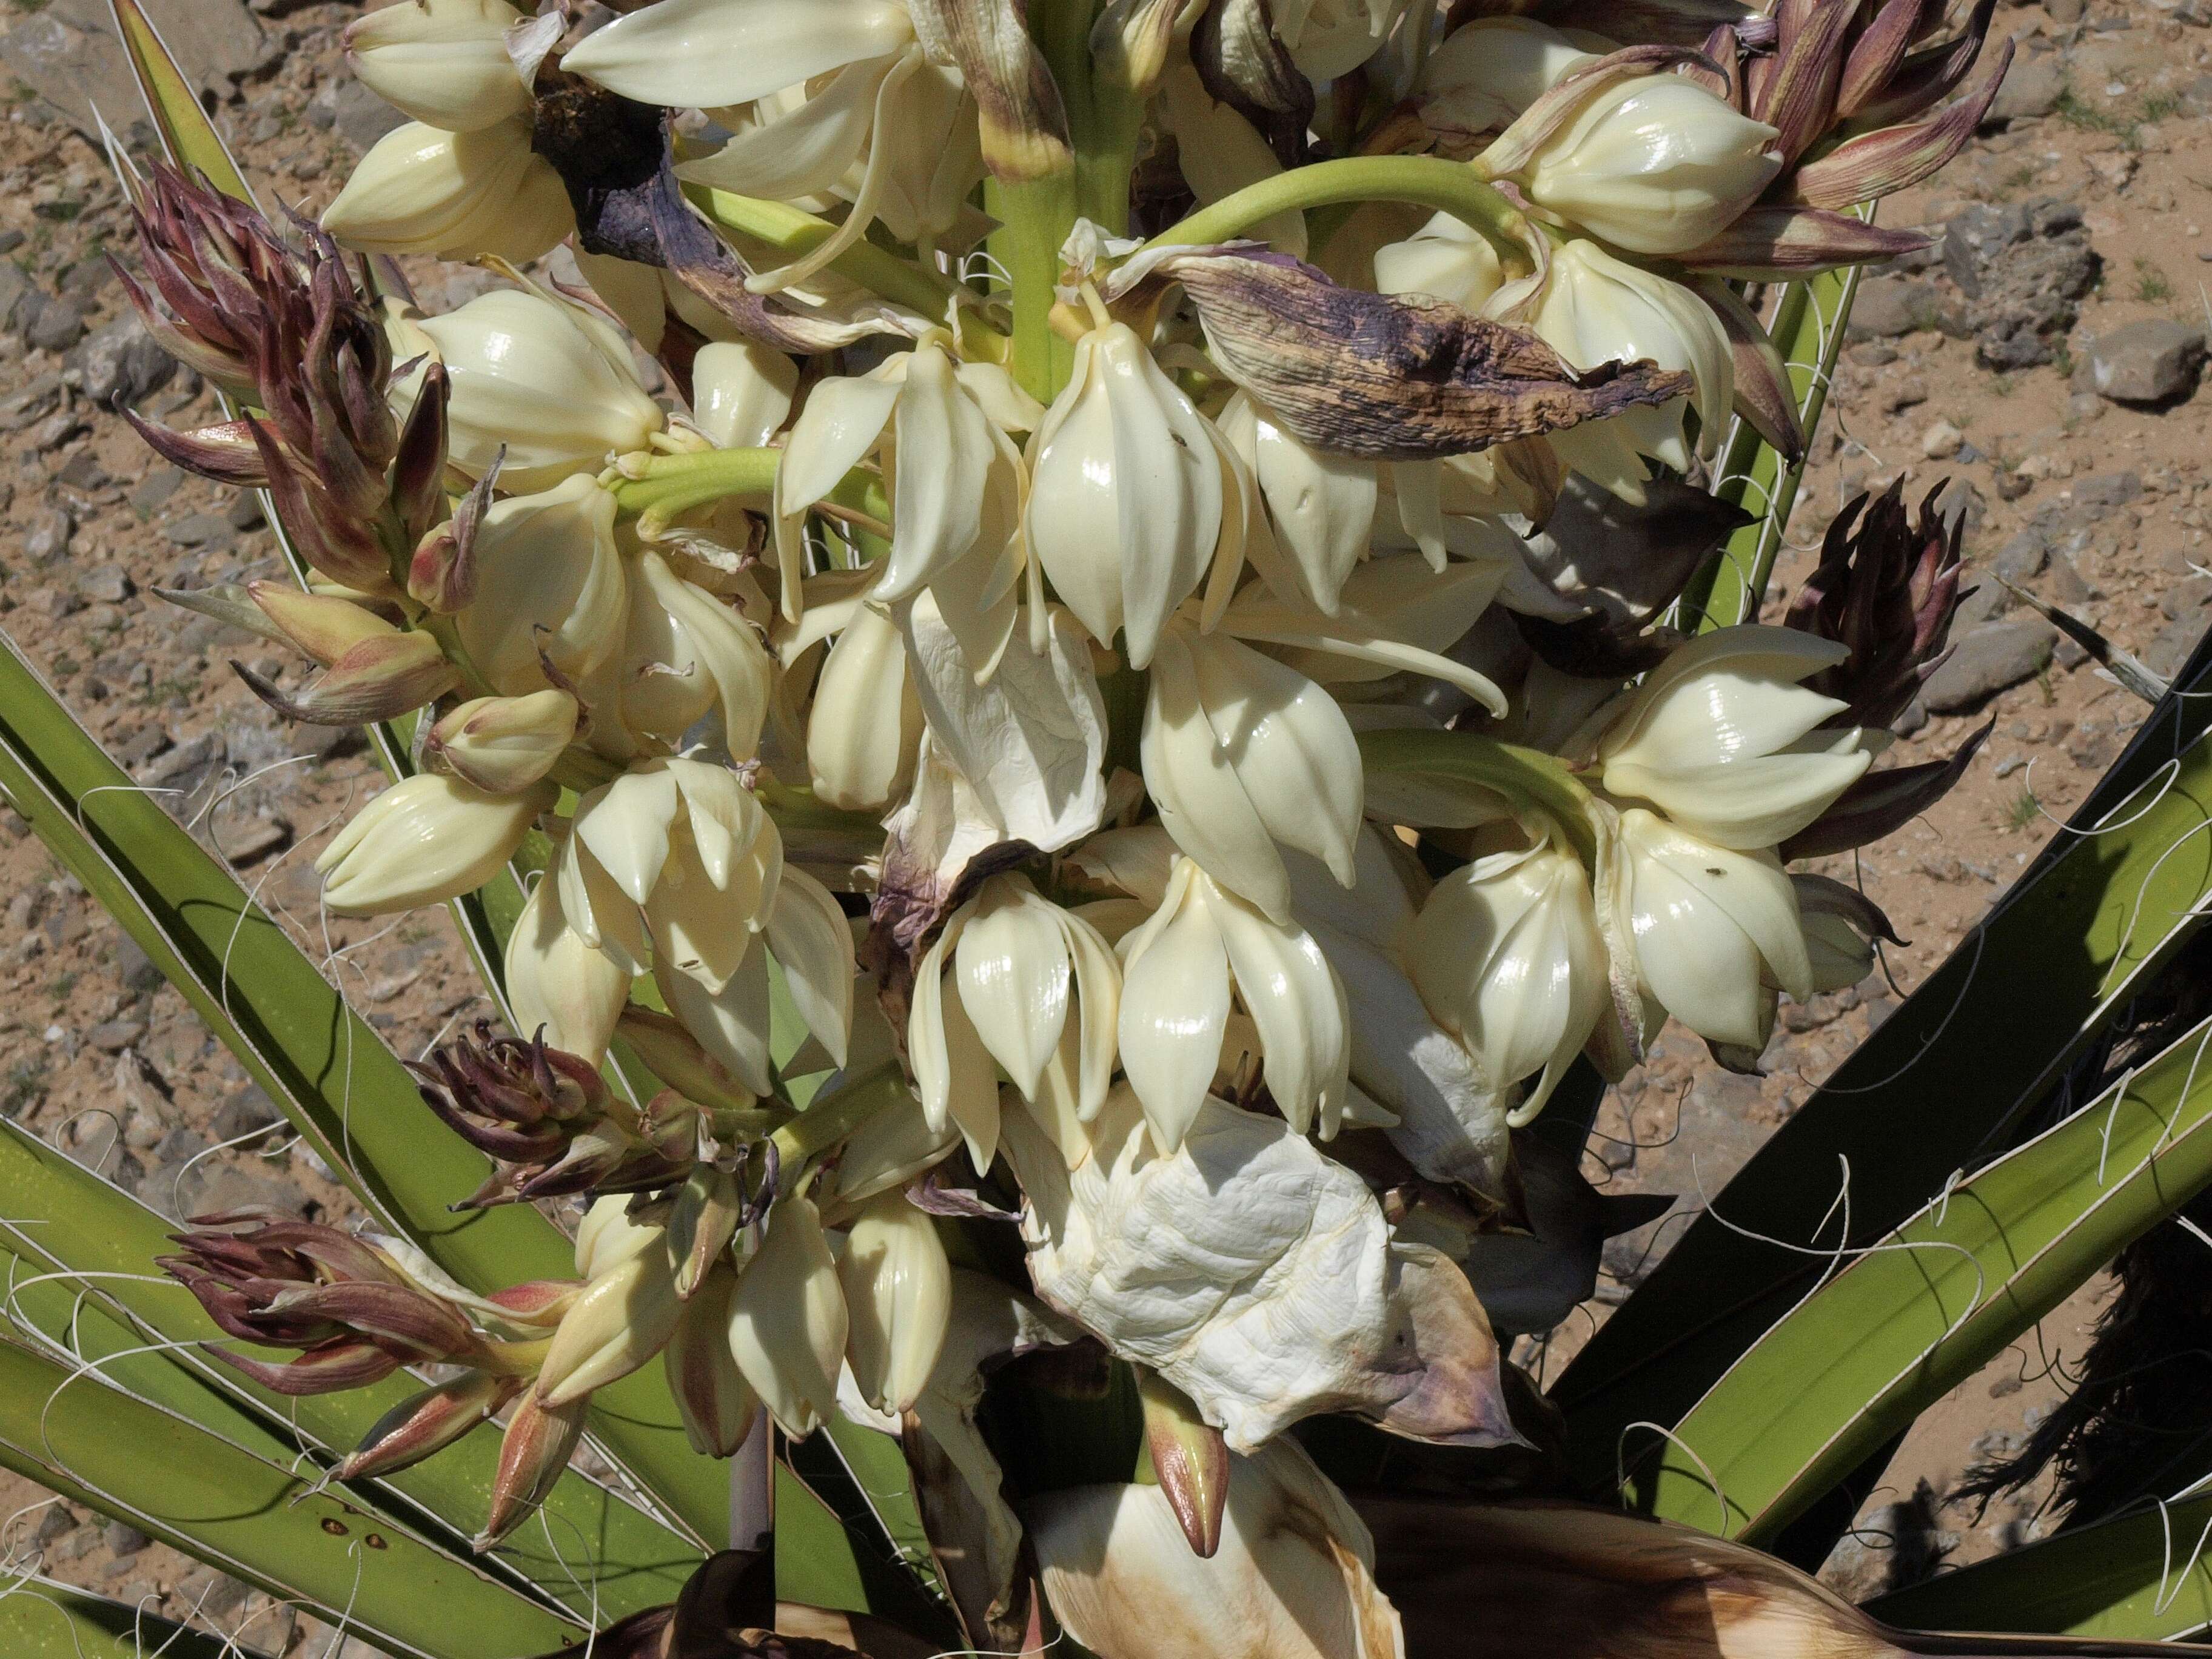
{"x":1295,"y":999}
{"x":803,"y":153}
{"x":625,"y":826}
{"x":944,"y":450}
{"x":1012,"y":970}
{"x":1291,"y":748}
{"x":1201,"y":802}
{"x":808,"y":936}
{"x":1174,"y":1007}
{"x":841,"y":423}
{"x":730,"y":1025}
{"x":557,"y":982}
{"x":705,"y":53}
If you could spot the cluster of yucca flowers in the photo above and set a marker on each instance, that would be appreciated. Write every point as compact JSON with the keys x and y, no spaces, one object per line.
{"x":1089,"y":633}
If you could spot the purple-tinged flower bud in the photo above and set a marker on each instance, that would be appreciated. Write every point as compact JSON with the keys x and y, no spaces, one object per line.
{"x":224,"y":452}
{"x":418,"y":470}
{"x":351,"y":1309}
{"x":442,"y":573}
{"x":427,"y":1423}
{"x":533,"y":1456}
{"x":717,"y":1404}
{"x":1886,"y":587}
{"x":374,"y":680}
{"x":321,"y":625}
{"x":549,"y":1121}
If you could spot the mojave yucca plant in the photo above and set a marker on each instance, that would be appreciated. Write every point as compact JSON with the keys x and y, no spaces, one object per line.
{"x":1068,"y":825}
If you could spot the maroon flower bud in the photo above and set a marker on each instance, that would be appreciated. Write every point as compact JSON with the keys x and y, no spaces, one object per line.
{"x":351,"y":1309}
{"x":533,"y":1456}
{"x":373,"y":680}
{"x":1888,"y":587}
{"x":549,"y":1121}
{"x":427,"y":1423}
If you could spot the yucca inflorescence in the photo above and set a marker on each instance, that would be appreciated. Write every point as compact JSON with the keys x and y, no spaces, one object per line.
{"x":1079,"y":643}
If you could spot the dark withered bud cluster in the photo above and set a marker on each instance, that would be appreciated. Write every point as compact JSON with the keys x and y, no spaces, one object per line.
{"x":550,"y":1123}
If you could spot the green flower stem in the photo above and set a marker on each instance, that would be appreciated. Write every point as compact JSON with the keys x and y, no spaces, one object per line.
{"x":505,"y":1358}
{"x":672,"y":484}
{"x":827,"y":1122}
{"x":902,"y":281}
{"x":1424,"y":180}
{"x":1034,"y":217}
{"x":1524,"y":776}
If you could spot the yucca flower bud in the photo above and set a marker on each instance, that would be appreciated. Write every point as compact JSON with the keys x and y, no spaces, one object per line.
{"x":703,"y":1216}
{"x":453,"y":195}
{"x":426,"y":1424}
{"x":550,"y":579}
{"x":716,"y":1403}
{"x":1885,"y":589}
{"x":1653,"y":163}
{"x":1711,"y":930}
{"x":622,"y":1319}
{"x":1003,"y":982}
{"x":1722,"y":738}
{"x":1331,"y":37}
{"x":354,"y":1310}
{"x":533,"y":1456}
{"x":897,"y":1284}
{"x":1126,"y":487}
{"x":1507,"y":955}
{"x":558,"y":984}
{"x":1841,"y":925}
{"x":443,"y":63}
{"x":323,"y":627}
{"x":787,"y":1323}
{"x":1446,"y":259}
{"x":1181,"y":967}
{"x":1595,"y":308}
{"x":504,"y":745}
{"x":425,"y":840}
{"x":1293,"y":1576}
{"x":615,"y":1229}
{"x":1320,"y":504}
{"x":1242,"y":752}
{"x":549,"y":1118}
{"x":379,"y":677}
{"x":864,"y":727}
{"x":543,"y":379}
{"x":741,"y":392}
{"x":1484,"y":73}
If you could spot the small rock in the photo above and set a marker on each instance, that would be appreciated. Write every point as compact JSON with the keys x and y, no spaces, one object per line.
{"x":155,"y":488}
{"x":202,"y":530}
{"x":2022,"y":558}
{"x":123,"y":1538}
{"x":109,"y":584}
{"x":123,"y":364}
{"x":255,"y":842}
{"x":57,"y":324}
{"x":1873,"y":353}
{"x":2114,"y":168}
{"x":2108,"y":490}
{"x":2032,"y":89}
{"x":113,"y":1037}
{"x":210,"y":1594}
{"x":2153,"y":362}
{"x":243,"y":1113}
{"x":1987,"y":660}
{"x":1888,"y":307}
{"x":59,"y":1521}
{"x":2084,"y":407}
{"x":1942,"y":441}
{"x":31,"y":405}
{"x":2065,"y":11}
{"x":48,"y":536}
{"x":1908,"y":393}
{"x":245,"y":511}
{"x":350,"y":110}
{"x":135,"y":967}
{"x":59,"y":430}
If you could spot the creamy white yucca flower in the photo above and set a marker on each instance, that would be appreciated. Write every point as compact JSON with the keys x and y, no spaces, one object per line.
{"x":1446,"y":259}
{"x":1293,"y":1578}
{"x":1243,"y":753}
{"x":426,"y":839}
{"x":1017,"y":980}
{"x":1654,"y":164}
{"x":549,"y":582}
{"x":864,"y":725}
{"x":457,"y":195}
{"x":545,"y":380}
{"x":1132,"y":492}
{"x":1595,"y":309}
{"x":1180,"y":969}
{"x":788,"y":1323}
{"x":939,"y":427}
{"x":1723,"y":740}
{"x":1482,"y":77}
{"x":1711,"y":928}
{"x":1508,"y":955}
{"x":443,"y":63}
{"x":897,"y":1284}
